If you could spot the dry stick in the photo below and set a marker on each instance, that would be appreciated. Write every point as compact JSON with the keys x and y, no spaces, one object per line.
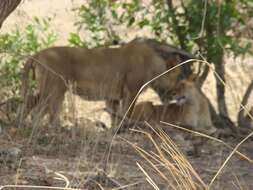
{"x":228,"y":158}
{"x":127,"y":186}
{"x":62,"y":178}
{"x":209,"y":137}
{"x":135,"y":98}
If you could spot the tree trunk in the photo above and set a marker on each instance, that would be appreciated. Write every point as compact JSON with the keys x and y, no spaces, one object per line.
{"x":220,"y":88}
{"x":203,"y":76}
{"x":6,"y":7}
{"x":241,"y":113}
{"x":175,"y":24}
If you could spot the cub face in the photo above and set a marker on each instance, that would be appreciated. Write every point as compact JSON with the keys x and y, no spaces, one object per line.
{"x":183,"y":92}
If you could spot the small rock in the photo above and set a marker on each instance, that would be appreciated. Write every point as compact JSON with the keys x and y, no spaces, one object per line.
{"x":9,"y":155}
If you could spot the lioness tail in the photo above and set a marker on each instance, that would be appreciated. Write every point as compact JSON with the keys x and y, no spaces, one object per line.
{"x":29,"y":65}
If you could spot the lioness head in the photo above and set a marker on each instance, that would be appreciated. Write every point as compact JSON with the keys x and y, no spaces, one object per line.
{"x":184,"y":92}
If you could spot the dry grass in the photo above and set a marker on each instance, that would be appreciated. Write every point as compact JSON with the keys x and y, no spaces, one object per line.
{"x":169,"y":163}
{"x":164,"y":162}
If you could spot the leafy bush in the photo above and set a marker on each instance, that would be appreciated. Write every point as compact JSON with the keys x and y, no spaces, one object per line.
{"x":101,"y":21}
{"x":206,"y":22}
{"x":15,"y":48}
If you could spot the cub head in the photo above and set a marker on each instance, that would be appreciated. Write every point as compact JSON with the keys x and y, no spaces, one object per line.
{"x":167,"y":82}
{"x":184,"y":92}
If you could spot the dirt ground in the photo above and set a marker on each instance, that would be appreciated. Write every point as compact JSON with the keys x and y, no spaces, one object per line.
{"x":51,"y":158}
{"x":54,"y":158}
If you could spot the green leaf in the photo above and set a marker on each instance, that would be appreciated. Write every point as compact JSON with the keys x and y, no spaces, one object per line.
{"x":131,"y":21}
{"x":144,"y":22}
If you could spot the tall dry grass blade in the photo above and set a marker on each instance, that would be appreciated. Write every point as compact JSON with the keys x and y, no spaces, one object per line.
{"x":149,"y":179}
{"x":238,"y":183}
{"x":228,"y":158}
{"x":211,"y":138}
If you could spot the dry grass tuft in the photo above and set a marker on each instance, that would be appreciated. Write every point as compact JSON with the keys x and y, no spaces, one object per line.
{"x":168,"y":163}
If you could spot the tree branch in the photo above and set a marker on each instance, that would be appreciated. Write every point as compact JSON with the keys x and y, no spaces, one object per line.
{"x":203,"y":76}
{"x":6,"y":8}
{"x":178,"y":32}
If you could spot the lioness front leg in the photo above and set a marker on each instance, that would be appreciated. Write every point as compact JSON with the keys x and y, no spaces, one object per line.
{"x":113,"y":107}
{"x":128,"y":103}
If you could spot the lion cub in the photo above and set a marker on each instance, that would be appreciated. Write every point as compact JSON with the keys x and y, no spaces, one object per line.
{"x":188,"y":107}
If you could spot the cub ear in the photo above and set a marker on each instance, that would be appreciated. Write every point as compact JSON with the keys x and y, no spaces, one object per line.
{"x":193,"y":77}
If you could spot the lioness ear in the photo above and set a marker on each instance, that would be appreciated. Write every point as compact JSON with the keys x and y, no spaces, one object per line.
{"x":172,"y":60}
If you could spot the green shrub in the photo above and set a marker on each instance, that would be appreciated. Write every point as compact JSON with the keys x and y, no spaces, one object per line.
{"x":15,"y":48}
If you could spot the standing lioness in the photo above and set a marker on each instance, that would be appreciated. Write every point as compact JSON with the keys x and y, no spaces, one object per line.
{"x":111,"y":74}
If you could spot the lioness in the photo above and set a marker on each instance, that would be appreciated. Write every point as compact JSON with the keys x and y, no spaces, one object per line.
{"x":188,"y":107}
{"x":111,"y":74}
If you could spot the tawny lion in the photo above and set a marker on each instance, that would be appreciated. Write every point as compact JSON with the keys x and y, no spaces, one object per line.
{"x":188,"y":107}
{"x":111,"y":74}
